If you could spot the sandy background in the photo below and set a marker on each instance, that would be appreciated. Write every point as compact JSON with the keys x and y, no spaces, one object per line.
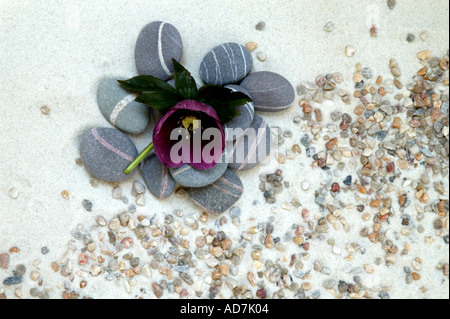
{"x":54,"y":52}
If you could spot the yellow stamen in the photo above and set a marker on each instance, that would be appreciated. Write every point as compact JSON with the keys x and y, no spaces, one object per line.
{"x":190,"y":122}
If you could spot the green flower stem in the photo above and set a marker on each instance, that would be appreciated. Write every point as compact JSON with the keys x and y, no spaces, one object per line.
{"x":139,"y":158}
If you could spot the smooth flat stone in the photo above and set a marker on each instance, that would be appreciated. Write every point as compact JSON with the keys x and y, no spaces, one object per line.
{"x":225,"y":64}
{"x":241,"y":123}
{"x":252,"y":148}
{"x":188,"y":176}
{"x":157,"y":177}
{"x":119,"y":107}
{"x":270,"y":91}
{"x":219,"y":196}
{"x":157,"y":44}
{"x":106,"y":153}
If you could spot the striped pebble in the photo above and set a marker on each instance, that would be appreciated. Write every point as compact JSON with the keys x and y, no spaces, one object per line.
{"x":220,"y":195}
{"x":188,"y":176}
{"x":252,"y":148}
{"x":157,"y":177}
{"x":239,"y":125}
{"x":225,"y":64}
{"x":270,"y":91}
{"x":119,"y":108}
{"x":106,"y":153}
{"x":157,"y":44}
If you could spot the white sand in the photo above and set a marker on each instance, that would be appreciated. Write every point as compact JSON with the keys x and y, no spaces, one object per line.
{"x":54,"y":52}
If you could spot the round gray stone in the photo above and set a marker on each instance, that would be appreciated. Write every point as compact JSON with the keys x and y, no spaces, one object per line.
{"x":119,"y":107}
{"x":219,"y":196}
{"x":188,"y":176}
{"x":270,"y":91}
{"x":225,"y":64}
{"x":157,"y":44}
{"x":106,"y":153}
{"x":157,"y":177}
{"x":252,"y":148}
{"x":241,"y":123}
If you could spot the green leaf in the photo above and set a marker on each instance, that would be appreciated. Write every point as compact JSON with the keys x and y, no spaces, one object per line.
{"x":184,"y":82}
{"x":223,"y":100}
{"x":160,"y":100}
{"x":226,"y":114}
{"x":146,"y":83}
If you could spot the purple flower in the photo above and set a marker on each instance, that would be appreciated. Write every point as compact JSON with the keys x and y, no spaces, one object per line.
{"x":189,"y":133}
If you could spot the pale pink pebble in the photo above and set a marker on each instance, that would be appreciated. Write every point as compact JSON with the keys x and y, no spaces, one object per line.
{"x":414,"y":123}
{"x":127,"y":242}
{"x":4,"y":261}
{"x":83,"y":259}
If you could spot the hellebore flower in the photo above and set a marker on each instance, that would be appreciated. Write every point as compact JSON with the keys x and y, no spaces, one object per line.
{"x":191,"y":129}
{"x":179,"y":136}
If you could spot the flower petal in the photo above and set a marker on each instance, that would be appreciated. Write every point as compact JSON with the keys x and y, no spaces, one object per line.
{"x":163,"y":129}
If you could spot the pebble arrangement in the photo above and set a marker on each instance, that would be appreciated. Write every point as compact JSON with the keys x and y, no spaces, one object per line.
{"x":225,"y":65}
{"x":395,"y":127}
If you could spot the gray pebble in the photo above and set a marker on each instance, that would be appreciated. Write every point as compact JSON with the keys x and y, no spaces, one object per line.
{"x":219,"y":196}
{"x":225,"y":64}
{"x":310,"y":151}
{"x":329,"y":27}
{"x":305,"y":140}
{"x":426,"y":152}
{"x":326,"y":271}
{"x":106,"y":153}
{"x":188,"y":176}
{"x":300,"y":89}
{"x":342,"y":286}
{"x":157,"y":44}
{"x":270,"y":91}
{"x":235,"y":212}
{"x":134,"y":262}
{"x":119,"y":107}
{"x":260,"y":26}
{"x":384,"y":295}
{"x":329,"y":284}
{"x":391,"y":4}
{"x":43,"y":295}
{"x":87,"y":204}
{"x":367,"y":73}
{"x":138,"y":188}
{"x":241,"y":123}
{"x":252,"y":148}
{"x":157,"y":177}
{"x":132,"y":208}
{"x":13,"y":280}
{"x":34,"y":292}
{"x":410,"y":37}
{"x":315,"y":294}
{"x":434,"y":62}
